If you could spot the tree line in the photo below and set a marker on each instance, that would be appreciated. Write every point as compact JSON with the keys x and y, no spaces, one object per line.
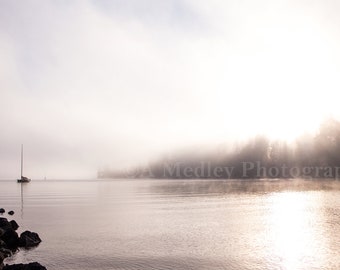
{"x":309,"y":156}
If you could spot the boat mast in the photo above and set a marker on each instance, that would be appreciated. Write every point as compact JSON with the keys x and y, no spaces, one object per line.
{"x":22,"y":159}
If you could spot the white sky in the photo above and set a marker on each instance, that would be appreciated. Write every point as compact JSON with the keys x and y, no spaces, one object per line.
{"x":88,"y":84}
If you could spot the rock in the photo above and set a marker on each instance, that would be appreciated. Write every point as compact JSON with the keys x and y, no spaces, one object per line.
{"x":10,"y":237}
{"x":14,"y":225}
{"x":2,"y":244}
{"x":30,"y":266}
{"x":2,"y":257}
{"x":4,"y":224}
{"x":11,"y":213}
{"x":6,"y":252}
{"x":2,"y":211}
{"x":29,"y":239}
{"x":10,"y":241}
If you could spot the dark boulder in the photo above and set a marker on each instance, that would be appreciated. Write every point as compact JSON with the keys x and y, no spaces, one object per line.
{"x":11,"y":213}
{"x":2,"y":244}
{"x":10,"y":241}
{"x":29,"y":239}
{"x":4,"y":224}
{"x":11,"y":238}
{"x":2,"y":257}
{"x":2,"y":231}
{"x":6,"y":252}
{"x":14,"y":225}
{"x":30,"y":266}
{"x":2,"y":211}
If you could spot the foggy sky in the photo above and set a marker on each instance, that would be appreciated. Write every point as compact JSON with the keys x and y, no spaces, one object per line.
{"x":93,"y":84}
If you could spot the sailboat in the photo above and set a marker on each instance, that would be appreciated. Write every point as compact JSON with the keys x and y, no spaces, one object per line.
{"x":23,"y":179}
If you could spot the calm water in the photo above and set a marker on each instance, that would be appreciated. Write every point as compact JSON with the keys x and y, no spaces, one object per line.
{"x":151,"y":224}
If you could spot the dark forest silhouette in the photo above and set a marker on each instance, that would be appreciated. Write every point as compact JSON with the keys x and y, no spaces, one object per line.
{"x":312,"y":156}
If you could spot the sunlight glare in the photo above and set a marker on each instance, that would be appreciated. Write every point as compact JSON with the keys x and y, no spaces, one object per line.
{"x":282,"y":89}
{"x":290,"y":228}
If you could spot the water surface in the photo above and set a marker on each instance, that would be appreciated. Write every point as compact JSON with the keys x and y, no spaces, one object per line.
{"x":178,"y":224}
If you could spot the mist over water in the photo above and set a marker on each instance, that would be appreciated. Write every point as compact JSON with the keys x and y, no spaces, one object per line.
{"x":90,"y":85}
{"x":219,"y":122}
{"x":179,"y":224}
{"x":309,"y":157}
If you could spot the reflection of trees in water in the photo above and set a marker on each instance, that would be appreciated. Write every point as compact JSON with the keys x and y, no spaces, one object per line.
{"x":217,"y":187}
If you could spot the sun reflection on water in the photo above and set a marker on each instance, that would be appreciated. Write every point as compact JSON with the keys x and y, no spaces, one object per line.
{"x":293,"y":229}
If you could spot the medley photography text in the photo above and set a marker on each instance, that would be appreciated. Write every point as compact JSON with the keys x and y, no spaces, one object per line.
{"x":245,"y":169}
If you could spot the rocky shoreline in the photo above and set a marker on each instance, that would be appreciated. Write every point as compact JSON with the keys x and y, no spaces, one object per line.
{"x":11,"y":242}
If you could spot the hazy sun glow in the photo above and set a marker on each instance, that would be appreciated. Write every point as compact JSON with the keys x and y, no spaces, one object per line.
{"x":284,"y":88}
{"x":119,"y":83}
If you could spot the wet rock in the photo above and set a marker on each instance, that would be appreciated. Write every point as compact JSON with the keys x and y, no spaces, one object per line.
{"x":11,"y":238}
{"x":11,"y":213}
{"x":2,"y":257}
{"x":29,"y":239}
{"x":14,"y":225}
{"x":6,"y":252}
{"x":10,"y":241}
{"x":4,"y":224}
{"x":30,"y":266}
{"x":2,"y":244}
{"x":2,"y":211}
